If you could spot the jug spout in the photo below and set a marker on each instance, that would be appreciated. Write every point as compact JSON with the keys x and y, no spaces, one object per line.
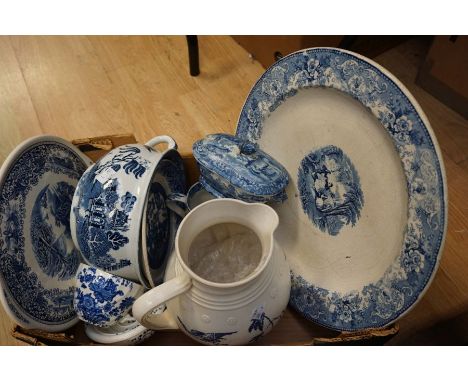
{"x":261,"y":218}
{"x":264,"y":218}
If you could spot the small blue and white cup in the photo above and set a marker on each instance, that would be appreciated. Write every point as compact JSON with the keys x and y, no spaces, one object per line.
{"x":101,"y":298}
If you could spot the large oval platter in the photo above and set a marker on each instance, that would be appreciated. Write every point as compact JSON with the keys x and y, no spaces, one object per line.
{"x":365,"y":219}
{"x":38,"y":260}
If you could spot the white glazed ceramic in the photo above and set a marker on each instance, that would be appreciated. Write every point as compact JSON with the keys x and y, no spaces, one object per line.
{"x":126,"y":331}
{"x":108,"y":205}
{"x":365,"y":219}
{"x":38,"y":260}
{"x":221,"y":313}
{"x":101,"y":298}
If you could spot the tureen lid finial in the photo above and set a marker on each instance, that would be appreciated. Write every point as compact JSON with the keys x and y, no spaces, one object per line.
{"x":248,"y":147}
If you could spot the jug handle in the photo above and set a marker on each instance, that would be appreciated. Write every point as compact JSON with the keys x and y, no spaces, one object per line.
{"x":143,"y":307}
{"x":171,"y":143}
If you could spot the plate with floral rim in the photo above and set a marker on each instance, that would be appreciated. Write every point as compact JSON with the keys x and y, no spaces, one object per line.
{"x":365,"y":218}
{"x":38,"y":260}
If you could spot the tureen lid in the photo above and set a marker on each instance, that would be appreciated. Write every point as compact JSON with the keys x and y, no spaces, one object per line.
{"x":228,"y":162}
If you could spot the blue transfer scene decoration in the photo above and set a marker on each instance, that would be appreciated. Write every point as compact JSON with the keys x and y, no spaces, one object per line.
{"x":330,"y":189}
{"x":35,"y":199}
{"x":379,"y":303}
{"x":99,"y":231}
{"x":260,"y":323}
{"x":157,"y":226}
{"x":234,"y":168}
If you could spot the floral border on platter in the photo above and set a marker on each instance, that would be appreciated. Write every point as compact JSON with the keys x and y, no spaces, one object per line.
{"x":379,"y":303}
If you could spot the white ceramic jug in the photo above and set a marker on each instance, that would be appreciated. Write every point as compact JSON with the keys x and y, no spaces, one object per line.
{"x":214,"y":313}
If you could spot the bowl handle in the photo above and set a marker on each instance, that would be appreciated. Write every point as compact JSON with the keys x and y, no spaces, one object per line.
{"x":171,"y":144}
{"x":155,"y":298}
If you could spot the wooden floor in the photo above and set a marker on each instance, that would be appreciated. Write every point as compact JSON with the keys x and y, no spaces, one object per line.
{"x":78,"y":87}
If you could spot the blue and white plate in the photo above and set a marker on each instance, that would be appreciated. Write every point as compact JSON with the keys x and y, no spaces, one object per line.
{"x":364,"y":222}
{"x":158,"y":234}
{"x":38,"y":260}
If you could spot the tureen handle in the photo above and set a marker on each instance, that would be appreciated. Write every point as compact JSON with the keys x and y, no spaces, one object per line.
{"x":171,"y":143}
{"x":143,"y":307}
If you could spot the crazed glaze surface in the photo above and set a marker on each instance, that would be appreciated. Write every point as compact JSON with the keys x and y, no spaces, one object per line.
{"x":383,"y":301}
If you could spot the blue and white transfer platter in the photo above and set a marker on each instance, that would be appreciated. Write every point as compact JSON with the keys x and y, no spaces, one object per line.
{"x":365,"y":218}
{"x":38,"y":260}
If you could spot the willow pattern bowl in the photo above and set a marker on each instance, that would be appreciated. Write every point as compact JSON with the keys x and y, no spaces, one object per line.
{"x":108,"y":205}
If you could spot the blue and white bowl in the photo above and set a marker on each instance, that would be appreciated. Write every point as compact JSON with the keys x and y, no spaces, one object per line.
{"x":102,"y":299}
{"x":108,"y":207}
{"x":126,"y":331}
